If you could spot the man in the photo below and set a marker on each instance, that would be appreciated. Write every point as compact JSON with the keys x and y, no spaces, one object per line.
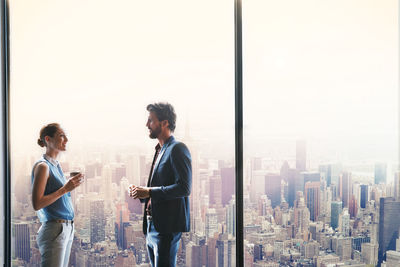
{"x":166,"y":197}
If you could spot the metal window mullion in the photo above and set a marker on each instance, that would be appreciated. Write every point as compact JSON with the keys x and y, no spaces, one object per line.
{"x":5,"y":130}
{"x":239,"y":133}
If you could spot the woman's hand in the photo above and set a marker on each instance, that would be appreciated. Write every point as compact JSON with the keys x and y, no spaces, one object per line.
{"x":41,"y":175}
{"x":73,"y":182}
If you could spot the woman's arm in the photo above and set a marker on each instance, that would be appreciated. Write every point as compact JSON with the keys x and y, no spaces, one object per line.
{"x":41,"y":175}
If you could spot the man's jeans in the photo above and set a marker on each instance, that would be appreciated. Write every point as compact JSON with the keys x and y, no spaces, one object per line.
{"x":162,"y":247}
{"x":55,"y":240}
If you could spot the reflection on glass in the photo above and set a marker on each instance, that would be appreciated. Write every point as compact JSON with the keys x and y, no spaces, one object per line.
{"x":320,"y":137}
{"x":94,"y":69}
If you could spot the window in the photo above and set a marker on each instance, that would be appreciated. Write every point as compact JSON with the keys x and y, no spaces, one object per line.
{"x":321,"y":124}
{"x":94,"y":69}
{"x":320,"y":159}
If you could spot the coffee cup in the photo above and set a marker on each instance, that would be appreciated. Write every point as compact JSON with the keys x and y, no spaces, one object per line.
{"x":74,"y":173}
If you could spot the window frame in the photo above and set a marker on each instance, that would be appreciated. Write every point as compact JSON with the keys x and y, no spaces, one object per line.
{"x":5,"y":145}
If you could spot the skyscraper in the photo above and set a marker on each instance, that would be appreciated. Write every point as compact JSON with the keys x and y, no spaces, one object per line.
{"x":133,"y":169}
{"x":310,"y":177}
{"x":389,"y":225}
{"x":295,"y":183}
{"x":22,"y":241}
{"x":325,"y":170}
{"x":273,"y":188}
{"x":231,"y":217}
{"x":228,"y":184}
{"x":345,"y":222}
{"x":301,"y":215}
{"x":353,"y":206}
{"x":257,"y":187}
{"x":345,"y":188}
{"x":122,"y":217}
{"x":380,"y":173}
{"x":312,"y":196}
{"x":211,"y":225}
{"x":97,"y":221}
{"x":215,"y":193}
{"x":107,"y":186}
{"x":225,"y":254}
{"x":397,"y":186}
{"x":301,"y":155}
{"x":336,"y":209}
{"x":364,"y":196}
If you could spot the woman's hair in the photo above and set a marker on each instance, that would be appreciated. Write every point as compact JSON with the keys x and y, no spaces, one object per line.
{"x":48,"y":130}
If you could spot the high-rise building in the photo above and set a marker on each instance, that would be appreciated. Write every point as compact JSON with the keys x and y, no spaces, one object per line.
{"x":97,"y":221}
{"x":344,"y":248}
{"x":336,"y":170}
{"x":215,"y":190}
{"x":359,"y":240}
{"x":256,"y":164}
{"x":90,"y":170}
{"x":369,"y":253}
{"x":118,"y":173}
{"x":345,"y":188}
{"x":263,"y":204}
{"x":311,"y":249}
{"x":392,"y":258}
{"x":195,"y":254}
{"x":353,"y":206}
{"x":336,"y":209}
{"x":332,"y":172}
{"x":122,"y":217}
{"x":312,"y":197}
{"x":230,"y":217}
{"x":225,"y":253}
{"x":301,"y":215}
{"x":295,"y":184}
{"x":397,"y":186}
{"x":345,"y":222}
{"x":228,"y":184}
{"x":389,"y":224}
{"x":301,"y":155}
{"x":325,"y":170}
{"x":211,"y":225}
{"x":257,"y":185}
{"x":380,"y":173}
{"x":21,"y":239}
{"x":133,"y":169}
{"x":284,"y":172}
{"x":107,"y":185}
{"x":364,"y":196}
{"x":310,"y":177}
{"x":273,"y":188}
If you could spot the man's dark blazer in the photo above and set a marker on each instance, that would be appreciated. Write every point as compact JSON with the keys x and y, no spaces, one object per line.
{"x":171,"y":185}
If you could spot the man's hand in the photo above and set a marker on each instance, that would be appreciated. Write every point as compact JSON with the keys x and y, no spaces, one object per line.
{"x":139,"y":192}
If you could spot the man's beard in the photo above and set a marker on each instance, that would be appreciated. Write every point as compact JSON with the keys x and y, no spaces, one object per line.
{"x":155,"y":133}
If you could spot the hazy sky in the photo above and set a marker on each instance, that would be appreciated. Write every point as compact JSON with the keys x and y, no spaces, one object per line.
{"x":325,"y":71}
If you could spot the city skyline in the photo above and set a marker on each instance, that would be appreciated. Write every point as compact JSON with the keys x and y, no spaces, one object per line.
{"x":320,"y":125}
{"x":212,"y":214}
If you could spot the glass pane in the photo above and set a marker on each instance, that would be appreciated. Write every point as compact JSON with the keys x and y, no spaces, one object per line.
{"x":321,"y":132}
{"x":93,"y":66}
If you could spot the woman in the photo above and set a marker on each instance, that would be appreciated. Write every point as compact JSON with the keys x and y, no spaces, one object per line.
{"x":51,"y":198}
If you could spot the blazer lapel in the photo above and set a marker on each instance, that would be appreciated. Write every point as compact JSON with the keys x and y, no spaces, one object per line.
{"x":157,"y":162}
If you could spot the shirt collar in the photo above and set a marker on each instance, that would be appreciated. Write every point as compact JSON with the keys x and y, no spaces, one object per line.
{"x":51,"y":160}
{"x":158,"y":147}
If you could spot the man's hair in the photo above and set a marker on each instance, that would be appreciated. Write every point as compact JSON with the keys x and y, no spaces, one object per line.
{"x":164,"y":111}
